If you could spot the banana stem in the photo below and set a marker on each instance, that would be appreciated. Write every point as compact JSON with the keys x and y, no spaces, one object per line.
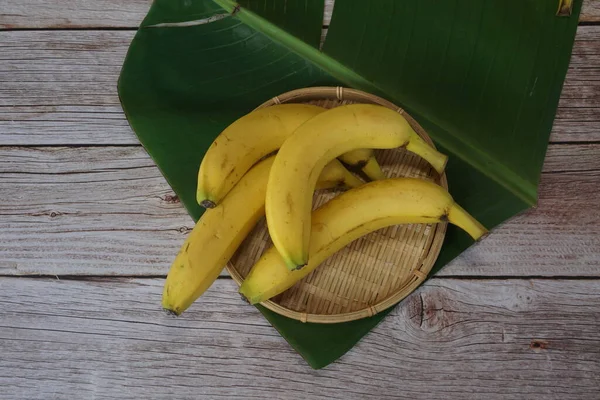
{"x":351,"y":181}
{"x":432,"y":156}
{"x":372,"y":170}
{"x":459,"y":217}
{"x":565,"y":8}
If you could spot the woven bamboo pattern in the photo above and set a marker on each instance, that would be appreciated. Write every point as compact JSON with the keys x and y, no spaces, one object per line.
{"x":372,"y":273}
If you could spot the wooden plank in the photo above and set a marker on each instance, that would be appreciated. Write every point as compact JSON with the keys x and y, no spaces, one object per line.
{"x":464,"y":339}
{"x":15,"y":14}
{"x":573,"y":157}
{"x":558,"y":238}
{"x":59,"y":88}
{"x":108,"y":211}
{"x":590,"y":11}
{"x":104,"y":210}
{"x":118,"y":14}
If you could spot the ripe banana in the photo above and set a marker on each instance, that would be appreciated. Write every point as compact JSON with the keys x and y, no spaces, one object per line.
{"x":221,"y":230}
{"x":243,"y":143}
{"x":315,"y":143}
{"x":353,"y":214}
{"x":363,"y":160}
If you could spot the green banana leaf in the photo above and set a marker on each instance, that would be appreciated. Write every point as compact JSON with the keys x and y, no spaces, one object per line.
{"x":482,"y":77}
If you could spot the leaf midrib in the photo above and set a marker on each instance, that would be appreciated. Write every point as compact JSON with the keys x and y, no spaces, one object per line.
{"x":469,"y":153}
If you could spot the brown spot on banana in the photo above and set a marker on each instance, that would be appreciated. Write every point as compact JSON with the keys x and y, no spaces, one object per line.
{"x":224,"y":162}
{"x":290,"y":203}
{"x":444,"y":216}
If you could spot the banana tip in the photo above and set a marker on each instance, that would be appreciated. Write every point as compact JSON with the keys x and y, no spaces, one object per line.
{"x":297,"y":267}
{"x":171,"y":312}
{"x":443,"y":165}
{"x":482,"y":236}
{"x":243,"y":296}
{"x":294,"y":264}
{"x":440,"y":164}
{"x":252,"y":300}
{"x":208,"y":203}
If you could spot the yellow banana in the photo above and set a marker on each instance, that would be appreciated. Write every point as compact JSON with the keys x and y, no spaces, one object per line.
{"x":243,"y":143}
{"x":353,"y":214}
{"x":315,"y":143}
{"x":363,"y":160}
{"x":221,"y":230}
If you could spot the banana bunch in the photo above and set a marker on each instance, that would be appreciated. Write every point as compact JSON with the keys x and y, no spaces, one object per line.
{"x":232,"y":183}
{"x":351,"y":215}
{"x":240,"y":181}
{"x":221,"y":230}
{"x":252,"y":137}
{"x":316,"y":142}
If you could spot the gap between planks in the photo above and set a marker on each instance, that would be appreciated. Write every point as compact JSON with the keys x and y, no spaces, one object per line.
{"x":62,"y":90}
{"x":111,"y":14}
{"x":465,"y":339}
{"x":108,"y":211}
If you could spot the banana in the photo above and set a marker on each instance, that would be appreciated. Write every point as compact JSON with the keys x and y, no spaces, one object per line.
{"x":353,"y":214}
{"x":315,"y":143}
{"x":363,"y":160}
{"x":221,"y":230}
{"x":243,"y":143}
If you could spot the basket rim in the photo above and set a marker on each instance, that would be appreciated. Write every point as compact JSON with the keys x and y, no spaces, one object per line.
{"x":437,"y":237}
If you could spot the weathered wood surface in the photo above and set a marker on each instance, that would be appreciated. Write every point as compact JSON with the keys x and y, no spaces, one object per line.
{"x":59,"y":88}
{"x":108,"y":211}
{"x":125,"y":14}
{"x":590,"y":11}
{"x":460,"y":339}
{"x":16,"y":14}
{"x":104,"y":210}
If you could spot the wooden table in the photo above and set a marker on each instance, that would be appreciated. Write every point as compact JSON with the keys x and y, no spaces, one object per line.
{"x":88,"y":228}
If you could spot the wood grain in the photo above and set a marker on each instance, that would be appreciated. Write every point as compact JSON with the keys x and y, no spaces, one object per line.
{"x":463,"y":339}
{"x":590,"y":11}
{"x":104,"y":210}
{"x":126,"y":14}
{"x":15,"y":14}
{"x":559,"y":238}
{"x":108,"y":211}
{"x":59,"y":88}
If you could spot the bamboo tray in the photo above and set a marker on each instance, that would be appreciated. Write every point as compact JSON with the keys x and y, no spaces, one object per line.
{"x":372,"y":273}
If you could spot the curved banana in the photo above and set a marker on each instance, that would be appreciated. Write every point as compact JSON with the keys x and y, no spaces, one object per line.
{"x":315,"y":143}
{"x":363,"y":160}
{"x":221,"y":230}
{"x":353,"y":214}
{"x":243,"y":143}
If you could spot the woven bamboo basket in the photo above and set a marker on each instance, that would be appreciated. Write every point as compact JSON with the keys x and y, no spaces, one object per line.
{"x":374,"y":272}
